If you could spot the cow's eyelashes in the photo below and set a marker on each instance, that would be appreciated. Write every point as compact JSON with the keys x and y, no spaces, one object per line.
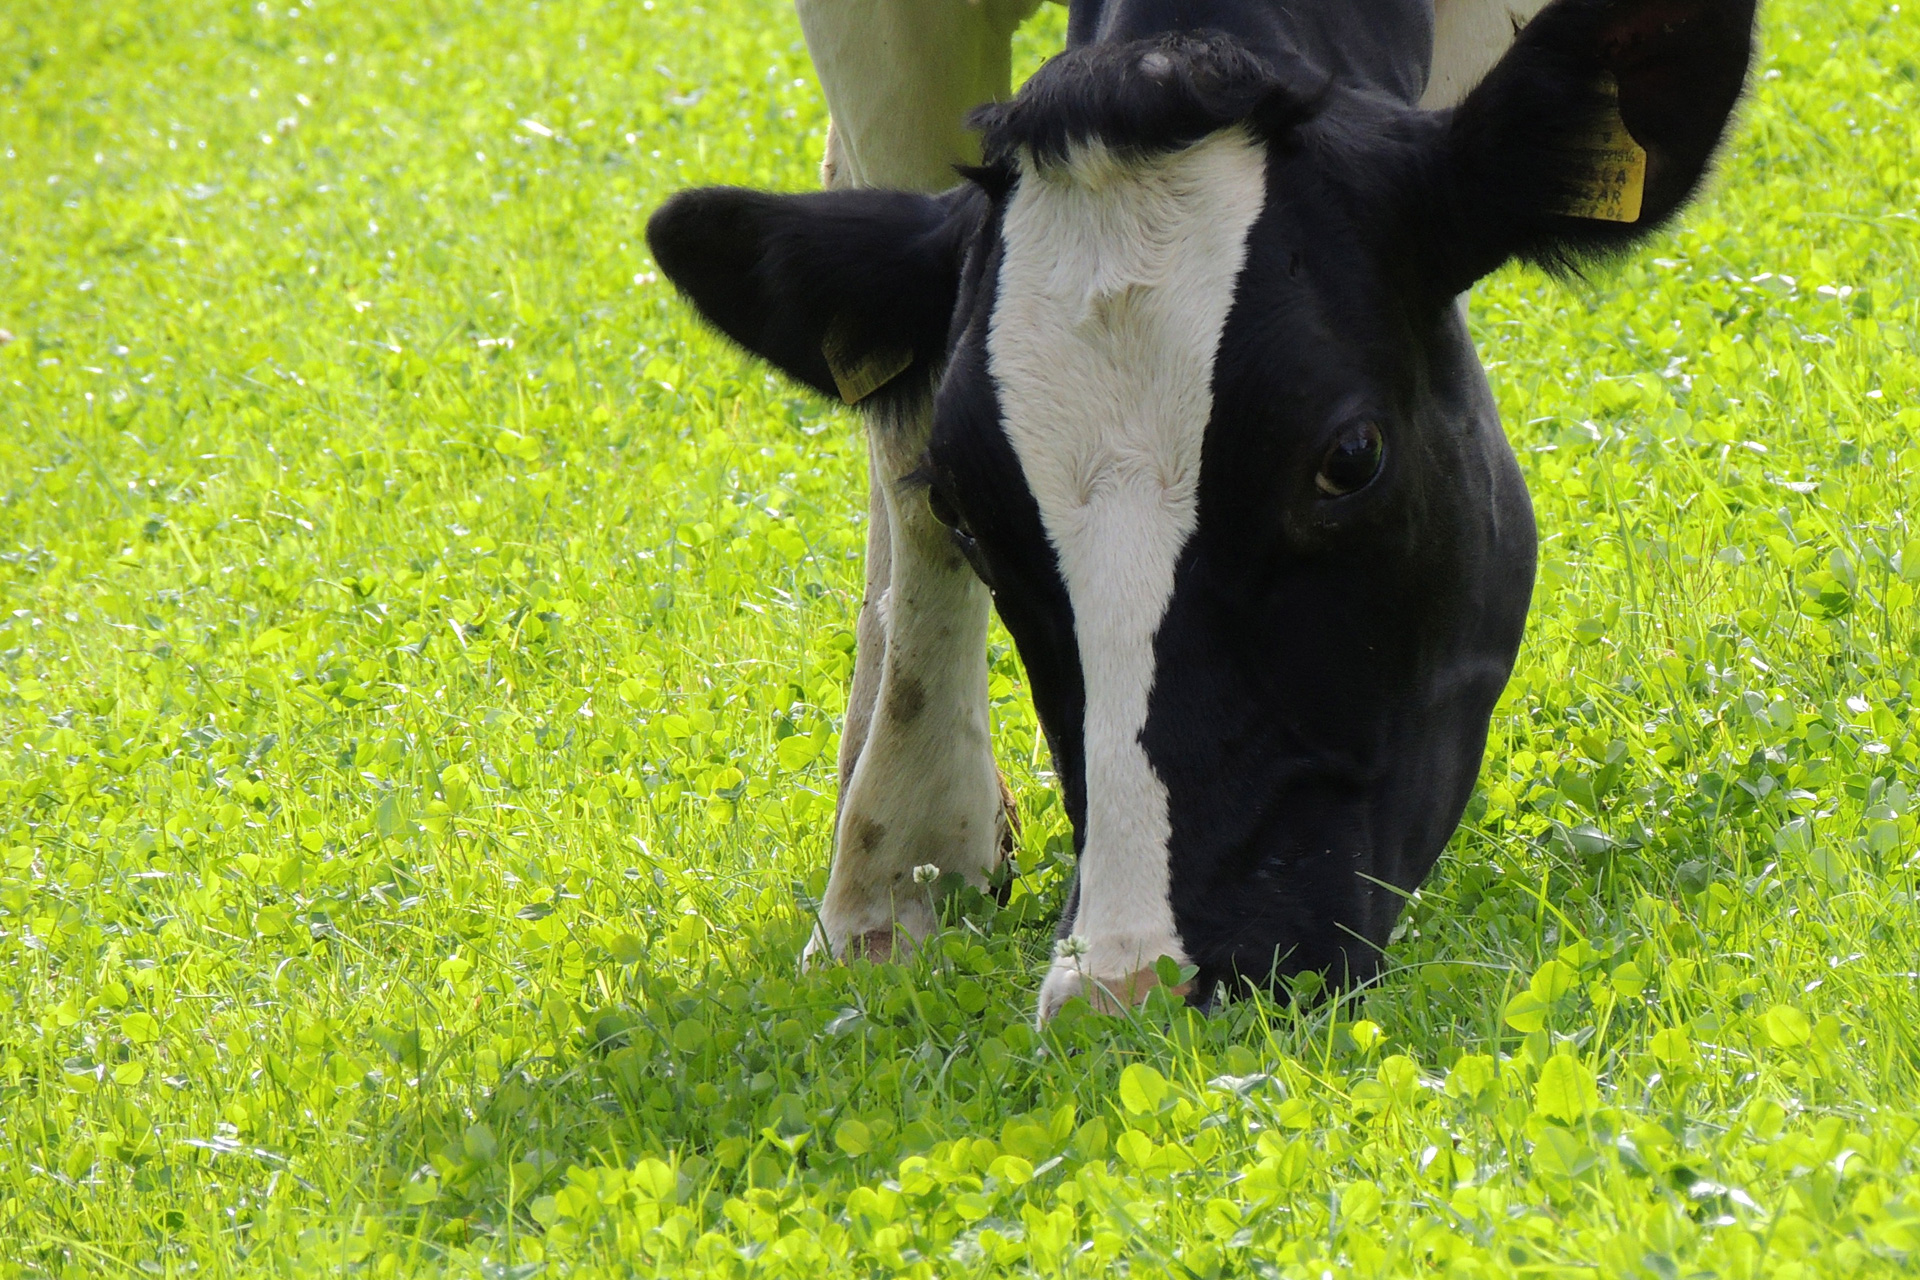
{"x":1351,"y":461}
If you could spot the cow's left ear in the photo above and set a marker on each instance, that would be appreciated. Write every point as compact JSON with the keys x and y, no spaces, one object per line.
{"x":1592,"y":131}
{"x":849,"y":292}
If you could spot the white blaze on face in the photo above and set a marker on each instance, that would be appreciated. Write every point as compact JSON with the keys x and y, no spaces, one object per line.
{"x":1115,"y":283}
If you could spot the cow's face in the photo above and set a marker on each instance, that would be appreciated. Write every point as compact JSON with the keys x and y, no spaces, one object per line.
{"x":1243,"y":502}
{"x":1207,"y":422}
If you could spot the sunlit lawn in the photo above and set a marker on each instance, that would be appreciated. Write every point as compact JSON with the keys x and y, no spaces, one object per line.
{"x":422,"y":650}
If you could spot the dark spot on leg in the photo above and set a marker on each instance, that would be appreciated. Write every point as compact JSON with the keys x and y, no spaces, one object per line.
{"x":866,"y":835}
{"x":906,"y":698}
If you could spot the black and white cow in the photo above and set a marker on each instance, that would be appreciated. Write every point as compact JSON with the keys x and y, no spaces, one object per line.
{"x":1178,"y":377}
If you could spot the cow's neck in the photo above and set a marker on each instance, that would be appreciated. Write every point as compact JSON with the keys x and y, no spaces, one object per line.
{"x":1384,"y":45}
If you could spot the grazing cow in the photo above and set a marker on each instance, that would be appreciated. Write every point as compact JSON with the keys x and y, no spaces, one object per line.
{"x":1177,"y":376}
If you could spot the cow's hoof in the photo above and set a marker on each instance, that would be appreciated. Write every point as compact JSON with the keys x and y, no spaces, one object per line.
{"x":817,"y":952}
{"x":876,"y":945}
{"x":1111,"y":995}
{"x":879,"y":945}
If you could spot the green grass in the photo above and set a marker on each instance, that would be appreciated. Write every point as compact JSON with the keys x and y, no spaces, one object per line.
{"x":422,"y":649}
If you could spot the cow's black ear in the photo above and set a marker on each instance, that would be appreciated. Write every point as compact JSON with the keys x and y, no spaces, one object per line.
{"x":847,"y":291}
{"x":1591,"y":132}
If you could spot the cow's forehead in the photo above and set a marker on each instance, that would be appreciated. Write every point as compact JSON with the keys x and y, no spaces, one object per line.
{"x":1116,"y":277}
{"x":1115,"y":282}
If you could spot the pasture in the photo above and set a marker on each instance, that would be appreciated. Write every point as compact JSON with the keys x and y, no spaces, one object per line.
{"x":422,"y":648}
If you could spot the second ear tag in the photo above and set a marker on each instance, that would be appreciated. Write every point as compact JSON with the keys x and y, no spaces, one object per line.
{"x":1612,"y":179}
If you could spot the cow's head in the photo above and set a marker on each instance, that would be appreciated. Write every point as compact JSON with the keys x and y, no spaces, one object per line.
{"x":1208,"y":423}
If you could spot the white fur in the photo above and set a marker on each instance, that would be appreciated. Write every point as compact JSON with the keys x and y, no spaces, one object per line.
{"x":1114,"y":287}
{"x":1468,"y":38}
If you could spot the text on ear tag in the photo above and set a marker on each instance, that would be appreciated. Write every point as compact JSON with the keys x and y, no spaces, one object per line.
{"x":1612,"y":177}
{"x":856,"y":374}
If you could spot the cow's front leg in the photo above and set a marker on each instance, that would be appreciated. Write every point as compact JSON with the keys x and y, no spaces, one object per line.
{"x":899,"y":78}
{"x":918,"y":783}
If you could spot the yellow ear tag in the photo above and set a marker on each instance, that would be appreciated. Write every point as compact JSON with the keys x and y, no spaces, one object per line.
{"x":1614,"y":176}
{"x":860,"y":375}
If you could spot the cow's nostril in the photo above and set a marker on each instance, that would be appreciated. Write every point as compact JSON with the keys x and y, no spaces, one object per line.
{"x":1352,"y":461}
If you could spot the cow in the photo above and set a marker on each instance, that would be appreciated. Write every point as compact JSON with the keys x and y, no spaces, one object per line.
{"x":1175,"y":375}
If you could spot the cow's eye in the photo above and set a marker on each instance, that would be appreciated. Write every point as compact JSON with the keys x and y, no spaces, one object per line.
{"x":1352,"y":460}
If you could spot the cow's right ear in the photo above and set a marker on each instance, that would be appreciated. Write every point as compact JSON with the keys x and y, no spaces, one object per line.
{"x":1591,"y":132}
{"x":847,"y":291}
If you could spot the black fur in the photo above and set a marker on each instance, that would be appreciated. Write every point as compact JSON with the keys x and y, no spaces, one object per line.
{"x":1381,"y":46}
{"x":1158,"y":94}
{"x":776,"y":273}
{"x":1328,"y":666}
